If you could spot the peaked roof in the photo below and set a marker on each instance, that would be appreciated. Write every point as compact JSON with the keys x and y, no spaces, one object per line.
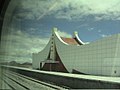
{"x":75,"y":40}
{"x":71,"y":41}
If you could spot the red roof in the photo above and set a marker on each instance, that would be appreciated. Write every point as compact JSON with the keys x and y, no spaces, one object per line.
{"x":70,"y":41}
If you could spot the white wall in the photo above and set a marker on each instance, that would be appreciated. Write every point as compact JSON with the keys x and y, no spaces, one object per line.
{"x":40,"y":56}
{"x":95,"y":58}
{"x":91,"y":58}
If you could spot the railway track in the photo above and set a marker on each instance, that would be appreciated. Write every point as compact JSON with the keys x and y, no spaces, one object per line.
{"x":20,"y":82}
{"x":29,"y":79}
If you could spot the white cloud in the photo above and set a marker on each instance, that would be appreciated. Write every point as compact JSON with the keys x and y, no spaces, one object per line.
{"x":35,"y":9}
{"x":64,"y":34}
{"x":90,"y":29}
{"x":104,"y":35}
{"x":99,"y":31}
{"x":69,"y":9}
{"x":19,"y":46}
{"x":102,"y":9}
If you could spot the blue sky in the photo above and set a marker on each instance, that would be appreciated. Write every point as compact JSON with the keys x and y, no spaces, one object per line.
{"x":92,"y":20}
{"x":32,"y":22}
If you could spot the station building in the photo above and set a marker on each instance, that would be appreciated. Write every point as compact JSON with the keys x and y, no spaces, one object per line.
{"x":71,"y":55}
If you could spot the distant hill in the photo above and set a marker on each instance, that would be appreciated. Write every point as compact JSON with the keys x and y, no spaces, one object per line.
{"x":14,"y":63}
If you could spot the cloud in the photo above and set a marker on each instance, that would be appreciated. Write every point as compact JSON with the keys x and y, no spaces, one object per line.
{"x":100,"y":9}
{"x":19,"y":46}
{"x":69,"y":9}
{"x":99,"y":31}
{"x":104,"y":35}
{"x":37,"y":9}
{"x":64,"y":34}
{"x":90,"y":29}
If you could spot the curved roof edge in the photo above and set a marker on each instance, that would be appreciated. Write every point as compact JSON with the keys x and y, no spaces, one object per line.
{"x":58,"y":36}
{"x":78,"y":39}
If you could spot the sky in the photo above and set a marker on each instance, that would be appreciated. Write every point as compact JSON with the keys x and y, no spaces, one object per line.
{"x":32,"y":21}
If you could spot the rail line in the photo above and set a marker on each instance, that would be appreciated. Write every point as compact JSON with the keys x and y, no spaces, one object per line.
{"x":20,"y":82}
{"x":57,"y":80}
